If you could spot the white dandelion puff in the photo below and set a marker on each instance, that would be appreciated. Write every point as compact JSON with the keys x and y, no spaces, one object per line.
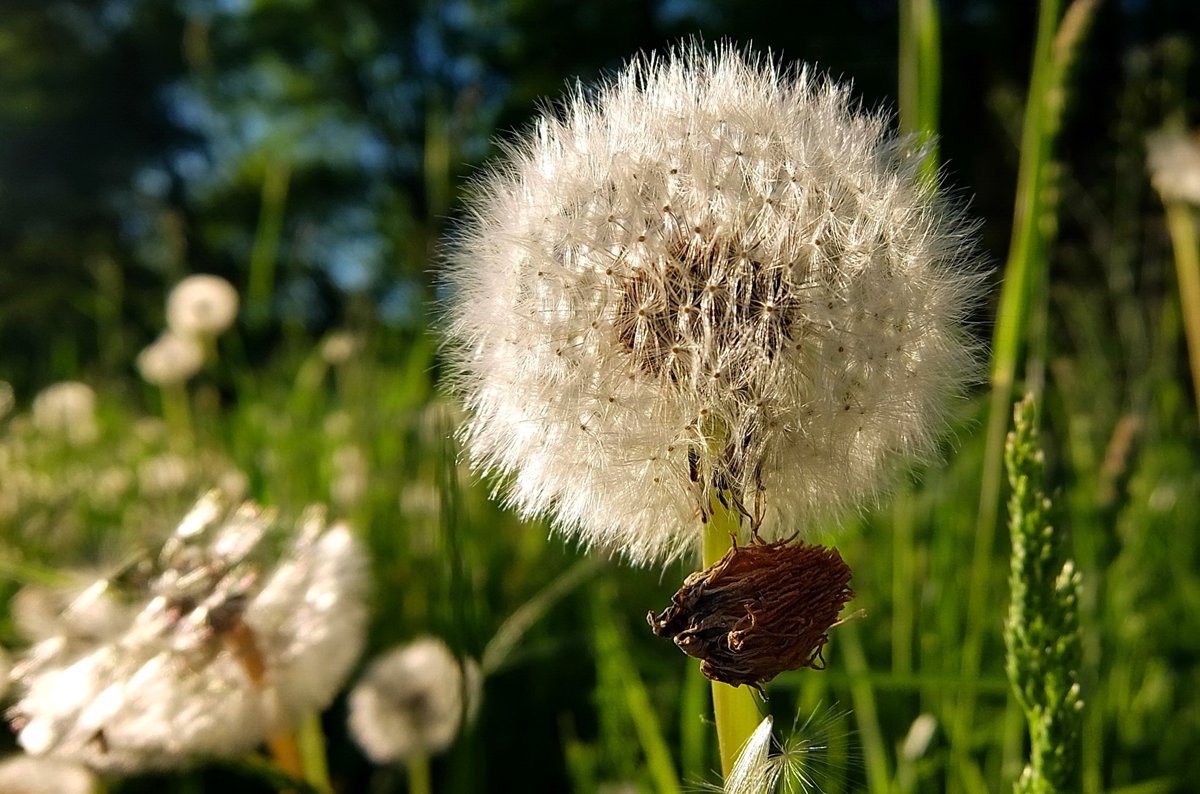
{"x":202,"y":305}
{"x":170,"y":359}
{"x":206,"y":648}
{"x":26,"y":774}
{"x":412,"y":701}
{"x":709,"y":276}
{"x":1173,"y":158}
{"x":67,"y":410}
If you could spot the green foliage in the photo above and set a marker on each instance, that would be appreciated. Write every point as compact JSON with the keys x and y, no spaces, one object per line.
{"x":104,"y":204}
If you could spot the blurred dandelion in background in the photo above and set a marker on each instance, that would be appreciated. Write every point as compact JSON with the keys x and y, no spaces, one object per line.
{"x":7,"y":399}
{"x":412,"y":701}
{"x":1173,"y":158}
{"x":67,"y":410}
{"x":202,"y":305}
{"x":708,"y":276}
{"x":171,"y":359}
{"x":204,"y":649}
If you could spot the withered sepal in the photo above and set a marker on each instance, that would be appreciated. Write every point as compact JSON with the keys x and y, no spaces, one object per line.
{"x":758,"y":611}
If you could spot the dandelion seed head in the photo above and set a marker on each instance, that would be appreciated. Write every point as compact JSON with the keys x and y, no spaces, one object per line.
{"x":708,"y":276}
{"x":170,"y":359}
{"x":218,"y":640}
{"x":67,"y":410}
{"x":1173,"y":158}
{"x":411,"y":700}
{"x":202,"y":305}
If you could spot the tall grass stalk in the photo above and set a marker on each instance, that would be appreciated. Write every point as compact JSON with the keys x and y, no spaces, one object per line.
{"x":265,"y":252}
{"x":1028,"y":263}
{"x":1181,"y":225}
{"x":1041,"y":634}
{"x":735,"y":712}
{"x":921,"y":74}
{"x":613,"y":654}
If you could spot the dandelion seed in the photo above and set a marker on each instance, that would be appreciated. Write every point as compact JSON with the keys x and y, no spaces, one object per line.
{"x":67,"y":410}
{"x":202,"y":305}
{"x":708,"y":277}
{"x":412,"y":701}
{"x":170,"y":359}
{"x":1173,"y":157}
{"x":218,"y":643}
{"x":797,"y":763}
{"x":920,"y":734}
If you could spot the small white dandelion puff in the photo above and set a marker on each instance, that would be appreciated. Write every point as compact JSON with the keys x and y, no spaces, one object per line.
{"x":67,"y":410}
{"x":412,"y":701}
{"x":1173,"y":158}
{"x":709,"y":276}
{"x":202,"y":305}
{"x":222,"y":640}
{"x":172,"y":358}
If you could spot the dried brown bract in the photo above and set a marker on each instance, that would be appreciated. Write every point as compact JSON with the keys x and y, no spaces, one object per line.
{"x":759,"y":610}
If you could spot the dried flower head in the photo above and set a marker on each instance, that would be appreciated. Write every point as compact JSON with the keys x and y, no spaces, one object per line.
{"x":68,"y":410}
{"x":411,"y":701}
{"x":172,"y":358}
{"x":1173,"y":157}
{"x":758,"y":611}
{"x":202,"y":305}
{"x":223,"y":640}
{"x":708,"y":276}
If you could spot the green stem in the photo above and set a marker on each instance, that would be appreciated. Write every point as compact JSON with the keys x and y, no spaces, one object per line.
{"x":177,"y":413}
{"x":921,"y":75}
{"x":311,"y":741}
{"x":862,"y":693}
{"x":1181,"y":224}
{"x":735,"y":712}
{"x":419,"y":781}
{"x":265,"y":252}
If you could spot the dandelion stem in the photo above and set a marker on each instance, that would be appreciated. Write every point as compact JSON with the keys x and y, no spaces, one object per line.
{"x":418,"y":774}
{"x":735,"y":712}
{"x":312,"y":752}
{"x":286,"y":754}
{"x":177,"y":413}
{"x":1181,"y":224}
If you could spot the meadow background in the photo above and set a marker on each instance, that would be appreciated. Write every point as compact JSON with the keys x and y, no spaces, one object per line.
{"x":314,"y":154}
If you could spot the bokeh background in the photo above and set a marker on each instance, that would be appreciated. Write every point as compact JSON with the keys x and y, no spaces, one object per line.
{"x":314,"y":153}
